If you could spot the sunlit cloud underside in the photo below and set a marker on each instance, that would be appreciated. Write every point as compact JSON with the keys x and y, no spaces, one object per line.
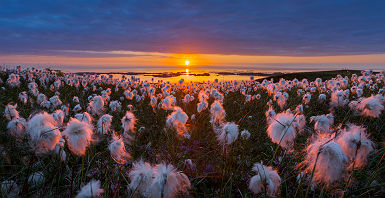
{"x":126,"y":60}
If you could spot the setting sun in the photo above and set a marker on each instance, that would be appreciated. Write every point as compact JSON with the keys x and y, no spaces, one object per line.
{"x":187,"y":62}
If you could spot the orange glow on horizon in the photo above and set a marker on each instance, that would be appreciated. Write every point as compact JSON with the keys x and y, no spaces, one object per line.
{"x":182,"y":60}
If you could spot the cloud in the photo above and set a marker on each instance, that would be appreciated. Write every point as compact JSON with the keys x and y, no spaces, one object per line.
{"x":295,"y":28}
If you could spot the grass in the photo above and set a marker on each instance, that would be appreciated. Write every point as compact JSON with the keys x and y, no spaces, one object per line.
{"x":214,"y":174}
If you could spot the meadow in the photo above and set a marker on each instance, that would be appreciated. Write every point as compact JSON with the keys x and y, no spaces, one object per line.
{"x":316,"y":134}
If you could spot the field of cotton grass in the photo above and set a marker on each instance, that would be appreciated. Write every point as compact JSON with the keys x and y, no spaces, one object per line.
{"x":317,"y":134}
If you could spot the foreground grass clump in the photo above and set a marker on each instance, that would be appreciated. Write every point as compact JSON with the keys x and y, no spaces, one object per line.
{"x":293,"y":135}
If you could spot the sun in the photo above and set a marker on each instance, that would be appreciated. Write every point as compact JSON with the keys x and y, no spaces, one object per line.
{"x":187,"y":62}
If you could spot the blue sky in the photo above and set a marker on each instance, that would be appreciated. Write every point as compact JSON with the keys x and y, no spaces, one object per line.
{"x":257,"y":28}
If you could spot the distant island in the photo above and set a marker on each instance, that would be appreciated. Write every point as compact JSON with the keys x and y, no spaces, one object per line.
{"x":176,"y":74}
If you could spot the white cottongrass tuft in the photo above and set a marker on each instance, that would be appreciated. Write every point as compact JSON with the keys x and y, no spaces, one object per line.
{"x":10,"y":112}
{"x":323,"y":123}
{"x":168,"y":103}
{"x":202,"y":105}
{"x":92,"y":189}
{"x":153,"y":102}
{"x":370,"y":107}
{"x":55,"y":101}
{"x":44,"y":135}
{"x":58,"y":116}
{"x":245,"y":134}
{"x":218,"y":113}
{"x":13,"y":80}
{"x":59,"y":149}
{"x":300,"y":122}
{"x":75,"y":99}
{"x":282,"y":129}
{"x":187,"y":98}
{"x":177,"y":120}
{"x":337,"y":99}
{"x":96,"y":106}
{"x":306,"y":98}
{"x":168,"y":182}
{"x":266,"y":180}
{"x":77,"y":108}
{"x":84,"y":117}
{"x":9,"y":188}
{"x":104,"y":124}
{"x":355,"y":143}
{"x":16,"y":127}
{"x":327,"y":159}
{"x":65,"y":110}
{"x":281,"y":99}
{"x":23,"y":97}
{"x":115,"y":106}
{"x":79,"y":136}
{"x":322,"y":98}
{"x":141,"y":175}
{"x":41,"y":98}
{"x":118,"y":151}
{"x":270,"y":114}
{"x":36,"y":179}
{"x":128,"y":122}
{"x":228,"y":134}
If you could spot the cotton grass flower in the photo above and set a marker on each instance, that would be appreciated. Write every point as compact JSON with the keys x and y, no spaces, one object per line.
{"x":168,"y":103}
{"x":36,"y":179}
{"x":306,"y":98}
{"x":228,"y":134}
{"x":55,"y":101}
{"x":266,"y":180}
{"x":355,"y":143}
{"x":84,"y":117}
{"x":128,"y":122}
{"x":370,"y":107}
{"x":337,"y":99}
{"x":217,"y":112}
{"x":168,"y":182}
{"x":59,"y":149}
{"x":245,"y":134}
{"x":92,"y":189}
{"x":13,"y":80}
{"x":282,"y":130}
{"x":104,"y":124}
{"x":96,"y":106}
{"x":300,"y":122}
{"x":115,"y":106}
{"x":153,"y":102}
{"x":77,"y":108}
{"x":9,"y":188}
{"x":141,"y":175}
{"x":202,"y":105}
{"x":270,"y":114}
{"x":75,"y":99}
{"x":118,"y":151}
{"x":322,"y":98}
{"x":41,"y":98}
{"x":177,"y":121}
{"x":10,"y":112}
{"x":327,"y":159}
{"x":58,"y":116}
{"x":323,"y":123}
{"x":79,"y":136}
{"x":23,"y":97}
{"x":16,"y":127}
{"x":44,"y":135}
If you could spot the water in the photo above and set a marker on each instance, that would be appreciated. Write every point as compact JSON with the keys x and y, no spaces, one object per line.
{"x":187,"y":77}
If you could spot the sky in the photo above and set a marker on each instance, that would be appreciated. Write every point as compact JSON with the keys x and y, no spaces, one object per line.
{"x":251,"y":34}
